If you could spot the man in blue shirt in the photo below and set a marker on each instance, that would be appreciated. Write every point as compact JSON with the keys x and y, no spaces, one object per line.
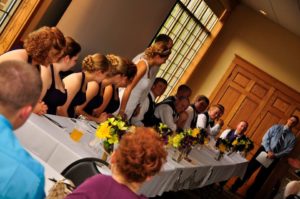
{"x":20,"y":175}
{"x":278,"y":141}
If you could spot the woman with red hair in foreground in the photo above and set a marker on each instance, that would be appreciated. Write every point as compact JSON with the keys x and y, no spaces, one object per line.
{"x":139,"y":156}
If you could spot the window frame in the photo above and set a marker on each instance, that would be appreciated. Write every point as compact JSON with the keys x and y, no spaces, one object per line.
{"x":211,"y":34}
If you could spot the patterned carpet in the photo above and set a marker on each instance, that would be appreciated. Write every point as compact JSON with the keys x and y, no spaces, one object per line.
{"x":208,"y":192}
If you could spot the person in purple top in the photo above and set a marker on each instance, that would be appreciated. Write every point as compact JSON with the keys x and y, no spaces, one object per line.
{"x":139,"y":156}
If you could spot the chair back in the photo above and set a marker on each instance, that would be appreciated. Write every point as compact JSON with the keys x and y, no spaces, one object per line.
{"x":82,"y":169}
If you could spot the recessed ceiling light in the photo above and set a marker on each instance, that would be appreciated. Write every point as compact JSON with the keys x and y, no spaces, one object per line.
{"x":263,"y":12}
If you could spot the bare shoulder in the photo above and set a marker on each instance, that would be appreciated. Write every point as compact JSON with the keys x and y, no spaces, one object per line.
{"x":46,"y":74}
{"x":20,"y":55}
{"x":73,"y":79}
{"x":93,"y":87}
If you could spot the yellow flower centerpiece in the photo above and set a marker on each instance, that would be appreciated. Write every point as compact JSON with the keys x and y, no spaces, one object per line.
{"x":222,"y":145}
{"x":110,"y":132}
{"x":164,"y":131}
{"x":184,"y":141}
{"x":243,"y":145}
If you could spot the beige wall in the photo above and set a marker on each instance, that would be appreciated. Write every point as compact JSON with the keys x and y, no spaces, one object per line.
{"x":257,"y":40}
{"x":112,"y":26}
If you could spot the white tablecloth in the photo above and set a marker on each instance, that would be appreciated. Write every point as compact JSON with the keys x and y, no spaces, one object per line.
{"x":49,"y":173}
{"x":53,"y":145}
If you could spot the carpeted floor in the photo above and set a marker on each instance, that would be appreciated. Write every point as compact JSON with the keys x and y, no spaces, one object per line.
{"x":208,"y":192}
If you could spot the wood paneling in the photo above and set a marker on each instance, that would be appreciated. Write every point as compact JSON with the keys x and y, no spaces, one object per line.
{"x":17,"y":23}
{"x":250,"y":94}
{"x":259,"y":90}
{"x":241,"y":80}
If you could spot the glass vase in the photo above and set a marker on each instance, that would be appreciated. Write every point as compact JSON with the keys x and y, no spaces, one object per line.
{"x":244,"y":154}
{"x":177,"y":155}
{"x":219,"y":155}
{"x":186,"y":153}
{"x":95,"y":144}
{"x":108,"y":149}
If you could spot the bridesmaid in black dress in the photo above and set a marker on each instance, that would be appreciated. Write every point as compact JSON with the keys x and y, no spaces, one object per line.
{"x":94,"y":68}
{"x":41,"y":47}
{"x":100,"y":95}
{"x":54,"y":93}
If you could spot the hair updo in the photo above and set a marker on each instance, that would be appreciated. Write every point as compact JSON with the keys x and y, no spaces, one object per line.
{"x":44,"y":44}
{"x":122,"y":66}
{"x":158,"y":48}
{"x":95,"y":62}
{"x":72,"y":47}
{"x":140,"y":154}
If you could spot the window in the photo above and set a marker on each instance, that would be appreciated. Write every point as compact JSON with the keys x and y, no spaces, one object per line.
{"x":189,"y":25}
{"x":7,"y":8}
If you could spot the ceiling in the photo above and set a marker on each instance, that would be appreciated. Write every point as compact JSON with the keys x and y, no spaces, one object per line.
{"x":283,"y":12}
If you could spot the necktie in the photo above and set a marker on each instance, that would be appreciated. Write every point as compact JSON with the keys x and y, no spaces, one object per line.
{"x":211,"y":123}
{"x":280,"y":142}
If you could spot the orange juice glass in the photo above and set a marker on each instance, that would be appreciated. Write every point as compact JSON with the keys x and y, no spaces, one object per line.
{"x":76,"y":135}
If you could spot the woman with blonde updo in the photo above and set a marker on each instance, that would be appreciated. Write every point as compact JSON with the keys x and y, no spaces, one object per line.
{"x":134,"y":93}
{"x":94,"y":68}
{"x":100,"y":95}
{"x":138,"y":158}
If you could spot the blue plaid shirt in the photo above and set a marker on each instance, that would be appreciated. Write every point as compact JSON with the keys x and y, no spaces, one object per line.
{"x":272,"y":137}
{"x":20,"y":175}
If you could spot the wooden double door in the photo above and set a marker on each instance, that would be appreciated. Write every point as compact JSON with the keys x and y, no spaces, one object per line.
{"x":248,"y":93}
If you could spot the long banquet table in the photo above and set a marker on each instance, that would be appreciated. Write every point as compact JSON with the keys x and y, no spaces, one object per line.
{"x":49,"y":140}
{"x":50,"y":173}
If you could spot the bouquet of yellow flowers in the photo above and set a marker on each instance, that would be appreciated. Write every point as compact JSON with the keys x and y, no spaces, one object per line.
{"x":242,"y":144}
{"x":185,"y":140}
{"x":111,"y":132}
{"x":222,"y":145}
{"x":189,"y":138}
{"x":164,"y":131}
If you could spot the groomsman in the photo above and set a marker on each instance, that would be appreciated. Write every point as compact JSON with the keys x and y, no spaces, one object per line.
{"x":145,"y":116}
{"x":207,"y":120}
{"x":168,"y":111}
{"x":200,"y":105}
{"x":278,"y":142}
{"x":232,"y":134}
{"x":183,"y":91}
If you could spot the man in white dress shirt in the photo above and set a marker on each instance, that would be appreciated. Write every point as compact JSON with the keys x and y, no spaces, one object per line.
{"x":147,"y":108}
{"x":182,"y":91}
{"x":207,"y":119}
{"x":231,"y":134}
{"x":200,"y":105}
{"x":168,"y":111}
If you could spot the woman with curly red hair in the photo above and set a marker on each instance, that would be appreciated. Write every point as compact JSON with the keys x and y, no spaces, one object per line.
{"x":139,"y":156}
{"x":41,"y":47}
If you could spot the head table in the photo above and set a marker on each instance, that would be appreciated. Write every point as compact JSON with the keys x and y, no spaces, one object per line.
{"x":49,"y":139}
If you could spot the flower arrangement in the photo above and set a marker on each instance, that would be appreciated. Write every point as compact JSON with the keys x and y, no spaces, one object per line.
{"x":242,"y":144}
{"x":222,"y":145}
{"x":185,"y":140}
{"x":189,"y":138}
{"x":164,"y":131}
{"x":111,"y":131}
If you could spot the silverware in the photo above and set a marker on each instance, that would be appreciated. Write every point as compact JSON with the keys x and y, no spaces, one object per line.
{"x":92,"y":126}
{"x":54,"y":122}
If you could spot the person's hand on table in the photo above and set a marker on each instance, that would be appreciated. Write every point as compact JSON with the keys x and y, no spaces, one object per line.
{"x":40,"y":108}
